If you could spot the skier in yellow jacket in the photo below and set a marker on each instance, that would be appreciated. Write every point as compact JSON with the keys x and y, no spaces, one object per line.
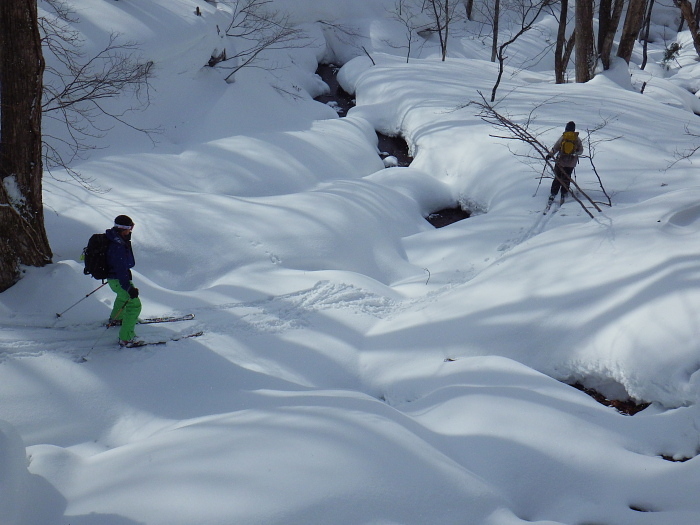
{"x":565,"y":151}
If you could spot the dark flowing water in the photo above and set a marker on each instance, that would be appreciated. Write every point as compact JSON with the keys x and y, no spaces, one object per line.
{"x":393,"y":150}
{"x":389,"y":147}
{"x":338,"y":98}
{"x":447,"y":216}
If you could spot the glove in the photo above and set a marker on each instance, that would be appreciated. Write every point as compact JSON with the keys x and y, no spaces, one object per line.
{"x":133,"y":292}
{"x":548,"y":157}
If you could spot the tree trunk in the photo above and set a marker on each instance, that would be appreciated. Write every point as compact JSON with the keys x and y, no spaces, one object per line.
{"x":23,"y":239}
{"x":585,"y":57}
{"x":560,"y":62}
{"x":494,"y":39}
{"x":647,"y":26}
{"x":448,"y":19}
{"x":469,"y":7}
{"x":604,"y":16}
{"x":569,"y":48}
{"x":633,"y":24}
{"x":689,"y":17}
{"x":606,"y":36}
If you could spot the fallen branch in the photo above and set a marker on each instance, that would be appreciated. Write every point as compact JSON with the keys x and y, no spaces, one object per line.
{"x":521,"y":133}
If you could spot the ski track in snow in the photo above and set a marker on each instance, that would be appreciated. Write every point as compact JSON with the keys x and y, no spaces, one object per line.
{"x":274,"y":315}
{"x":295,"y":310}
{"x":74,"y":340}
{"x":537,"y":227}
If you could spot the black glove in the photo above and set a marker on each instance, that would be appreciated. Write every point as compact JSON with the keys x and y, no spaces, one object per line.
{"x":548,"y":157}
{"x":133,"y":292}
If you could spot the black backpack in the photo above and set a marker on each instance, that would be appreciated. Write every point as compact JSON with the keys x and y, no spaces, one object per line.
{"x":95,"y":256}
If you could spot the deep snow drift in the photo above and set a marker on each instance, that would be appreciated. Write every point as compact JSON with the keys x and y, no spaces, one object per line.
{"x":357,"y":365}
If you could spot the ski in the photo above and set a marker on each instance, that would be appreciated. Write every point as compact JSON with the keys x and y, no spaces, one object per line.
{"x":548,"y":208}
{"x":166,"y":319}
{"x":141,"y":344}
{"x":154,"y":320}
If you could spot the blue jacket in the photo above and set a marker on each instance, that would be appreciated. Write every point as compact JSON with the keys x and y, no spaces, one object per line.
{"x":120,"y":258}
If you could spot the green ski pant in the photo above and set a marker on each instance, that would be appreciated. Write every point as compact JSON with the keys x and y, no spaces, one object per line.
{"x":126,"y":309}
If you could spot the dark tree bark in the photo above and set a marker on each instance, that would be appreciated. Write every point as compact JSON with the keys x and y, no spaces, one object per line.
{"x":630,"y":31}
{"x":585,"y":56}
{"x":494,"y":40}
{"x":23,"y":239}
{"x":469,"y":7}
{"x":604,"y":15}
{"x":647,"y":26}
{"x":569,"y":49}
{"x":612,"y":12}
{"x":559,"y":63}
{"x":689,"y":17}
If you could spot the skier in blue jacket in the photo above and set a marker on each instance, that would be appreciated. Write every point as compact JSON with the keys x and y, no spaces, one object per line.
{"x":120,"y":258}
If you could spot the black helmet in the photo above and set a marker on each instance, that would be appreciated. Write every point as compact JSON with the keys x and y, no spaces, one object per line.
{"x":570,"y":126}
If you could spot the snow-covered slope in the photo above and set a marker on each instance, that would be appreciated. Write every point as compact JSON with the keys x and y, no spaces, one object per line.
{"x":357,"y":365}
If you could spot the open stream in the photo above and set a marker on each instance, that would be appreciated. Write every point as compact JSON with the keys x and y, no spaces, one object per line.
{"x":392,"y":149}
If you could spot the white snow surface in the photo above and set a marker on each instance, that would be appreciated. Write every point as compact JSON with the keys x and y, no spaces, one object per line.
{"x":359,"y":366}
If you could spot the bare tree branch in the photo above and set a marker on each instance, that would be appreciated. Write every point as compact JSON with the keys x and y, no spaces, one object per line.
{"x":688,"y":153}
{"x":521,"y":133}
{"x":256,"y":28}
{"x":76,"y":87}
{"x":404,"y":12}
{"x":592,"y":145}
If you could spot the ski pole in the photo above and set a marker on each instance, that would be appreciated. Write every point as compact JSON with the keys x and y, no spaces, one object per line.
{"x":81,"y":300}
{"x":109,"y":325}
